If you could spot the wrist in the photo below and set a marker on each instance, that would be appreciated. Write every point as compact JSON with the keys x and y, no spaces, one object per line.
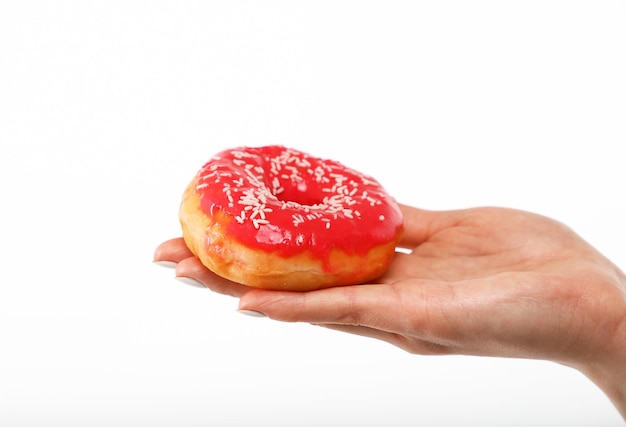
{"x":612,"y":384}
{"x":608,"y":371}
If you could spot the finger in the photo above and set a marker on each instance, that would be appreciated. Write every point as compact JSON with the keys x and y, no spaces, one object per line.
{"x":411,"y":322}
{"x":431,"y":311}
{"x":421,"y":224}
{"x":173,"y":250}
{"x":192,"y":268}
{"x":347,"y":305}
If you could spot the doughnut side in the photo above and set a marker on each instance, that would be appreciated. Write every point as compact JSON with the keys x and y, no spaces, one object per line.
{"x":206,"y":238}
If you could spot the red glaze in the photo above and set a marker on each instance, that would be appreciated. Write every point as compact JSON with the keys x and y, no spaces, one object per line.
{"x":285,"y":201}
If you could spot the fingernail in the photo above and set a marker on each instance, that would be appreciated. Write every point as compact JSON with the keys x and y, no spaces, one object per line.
{"x":252,"y":313}
{"x":189,"y":281}
{"x":166,"y":264}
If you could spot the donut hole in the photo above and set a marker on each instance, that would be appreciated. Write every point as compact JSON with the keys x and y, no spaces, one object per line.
{"x":298,"y":191}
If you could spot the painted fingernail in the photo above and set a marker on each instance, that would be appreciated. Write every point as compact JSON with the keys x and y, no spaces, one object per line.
{"x":252,"y":313}
{"x":189,"y":281}
{"x":166,"y":264}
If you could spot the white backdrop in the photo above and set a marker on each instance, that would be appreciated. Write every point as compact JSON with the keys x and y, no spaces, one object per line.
{"x":107,"y":109}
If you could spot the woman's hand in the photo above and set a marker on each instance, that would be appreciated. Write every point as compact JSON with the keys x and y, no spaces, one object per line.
{"x":483,"y":281}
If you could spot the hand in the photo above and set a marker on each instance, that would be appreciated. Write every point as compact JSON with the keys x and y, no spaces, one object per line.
{"x":484,"y":281}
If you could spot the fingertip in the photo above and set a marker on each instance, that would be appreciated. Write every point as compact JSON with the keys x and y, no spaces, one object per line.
{"x":190,"y":282}
{"x":278,"y":305}
{"x":159,"y":253}
{"x":171,"y":251}
{"x":251,"y":300}
{"x":192,"y":268}
{"x":189,"y":267}
{"x":251,"y":313}
{"x":165,"y":264}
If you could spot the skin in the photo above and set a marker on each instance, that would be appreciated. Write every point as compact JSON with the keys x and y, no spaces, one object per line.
{"x":483,"y":281}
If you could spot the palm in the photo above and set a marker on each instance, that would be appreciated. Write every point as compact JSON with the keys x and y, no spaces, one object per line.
{"x":487,"y":281}
{"x":475,"y":243}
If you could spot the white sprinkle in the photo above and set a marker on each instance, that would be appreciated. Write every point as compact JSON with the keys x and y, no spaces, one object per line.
{"x":381,"y":218}
{"x":366,"y":181}
{"x":297,"y":219}
{"x":258,"y":222}
{"x":303,"y":163}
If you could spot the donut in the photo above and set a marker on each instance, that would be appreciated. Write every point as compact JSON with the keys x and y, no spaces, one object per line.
{"x":277,"y":218}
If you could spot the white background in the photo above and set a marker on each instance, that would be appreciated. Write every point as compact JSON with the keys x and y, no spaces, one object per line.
{"x":107,"y":109}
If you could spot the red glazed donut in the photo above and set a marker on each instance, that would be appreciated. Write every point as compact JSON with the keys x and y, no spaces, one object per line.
{"x":277,"y":218}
